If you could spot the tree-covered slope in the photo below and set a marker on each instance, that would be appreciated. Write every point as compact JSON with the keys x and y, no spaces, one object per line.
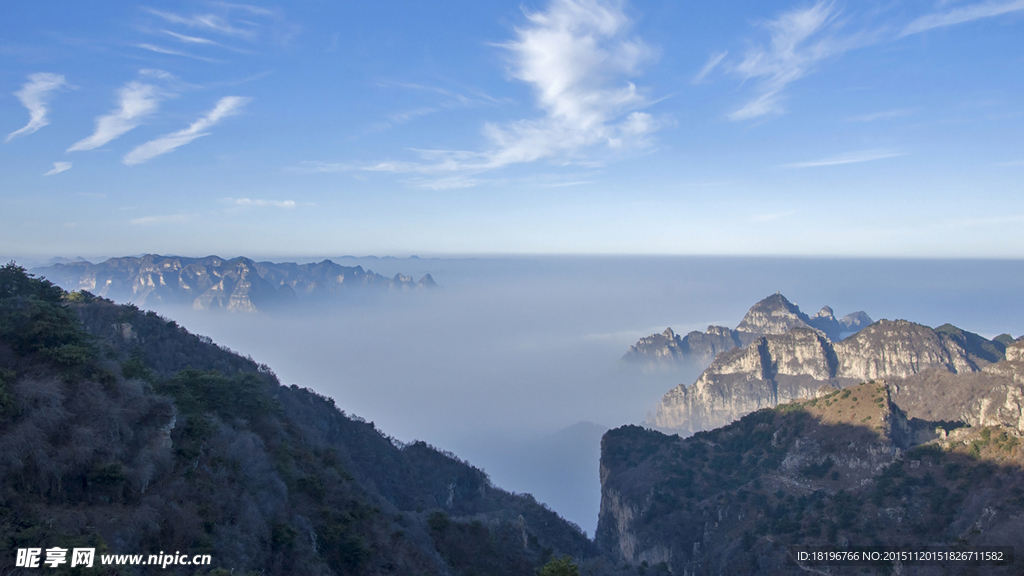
{"x":122,"y":431}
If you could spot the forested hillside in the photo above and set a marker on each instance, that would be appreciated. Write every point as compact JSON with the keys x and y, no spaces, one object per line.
{"x":120,"y":430}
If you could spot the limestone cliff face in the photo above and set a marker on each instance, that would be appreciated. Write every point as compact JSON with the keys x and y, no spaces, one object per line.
{"x":994,"y":396}
{"x":802,"y":363}
{"x":772,"y":370}
{"x":703,"y":347}
{"x":772,"y":316}
{"x":800,"y":352}
{"x":1015,"y":352}
{"x":237,"y":285}
{"x":898,"y":349}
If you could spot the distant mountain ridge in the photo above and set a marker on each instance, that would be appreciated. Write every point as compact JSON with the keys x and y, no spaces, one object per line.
{"x":237,"y":284}
{"x":772,"y":315}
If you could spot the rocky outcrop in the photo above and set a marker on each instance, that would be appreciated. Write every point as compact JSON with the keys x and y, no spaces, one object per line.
{"x":667,"y":346}
{"x":802,"y":363}
{"x":699,"y":347}
{"x":772,"y":316}
{"x":993,"y":396}
{"x":772,"y":370}
{"x":237,"y":285}
{"x":1015,"y":352}
{"x":900,"y":348}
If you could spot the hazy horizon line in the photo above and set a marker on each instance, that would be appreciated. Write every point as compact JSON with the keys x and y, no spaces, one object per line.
{"x":46,"y":259}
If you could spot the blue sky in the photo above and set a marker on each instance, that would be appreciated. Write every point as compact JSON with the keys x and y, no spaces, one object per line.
{"x":570,"y":126}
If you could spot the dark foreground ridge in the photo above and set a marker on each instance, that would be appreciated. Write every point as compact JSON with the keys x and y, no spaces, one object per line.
{"x":120,"y":430}
{"x":845,"y":469}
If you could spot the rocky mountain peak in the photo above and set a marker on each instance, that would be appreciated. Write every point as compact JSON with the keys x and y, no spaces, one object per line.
{"x":855,"y":321}
{"x":773,"y":315}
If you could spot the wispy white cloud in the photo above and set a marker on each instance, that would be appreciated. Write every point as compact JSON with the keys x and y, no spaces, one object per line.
{"x":885,"y":115}
{"x":771,"y":216}
{"x":210,"y":22}
{"x":35,"y":95}
{"x":59,"y":167}
{"x":170,"y":52}
{"x":577,"y":56}
{"x":260,"y":203}
{"x":312,"y":166}
{"x":162,"y":219}
{"x":403,"y":117}
{"x":849,"y":158}
{"x":158,"y":74}
{"x":800,"y":40}
{"x":445,"y":182}
{"x":172,"y":84}
{"x":961,"y":15}
{"x":190,"y":39}
{"x":985,"y":221}
{"x":712,"y":63}
{"x":135,"y":102}
{"x":566,"y":184}
{"x":452,"y":97}
{"x":196,"y":41}
{"x":803,"y":38}
{"x":399,"y":118}
{"x":255,"y":10}
{"x":227,"y":106}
